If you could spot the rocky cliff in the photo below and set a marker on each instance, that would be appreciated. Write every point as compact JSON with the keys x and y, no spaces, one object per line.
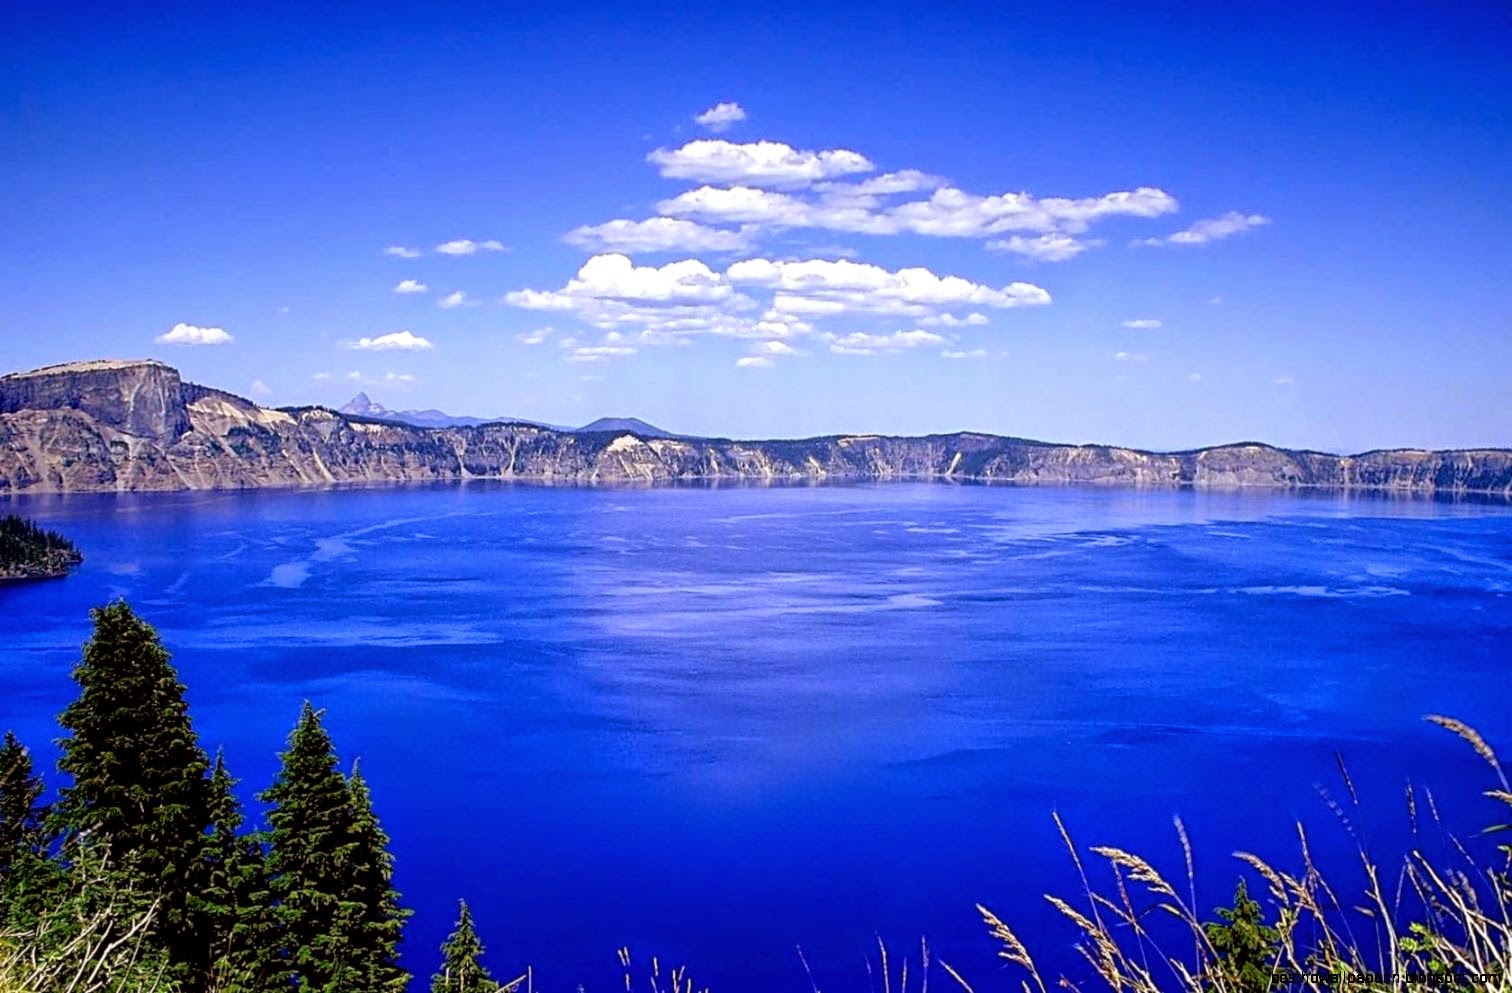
{"x":138,"y":426}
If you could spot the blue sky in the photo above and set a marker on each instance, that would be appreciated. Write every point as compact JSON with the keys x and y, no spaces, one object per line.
{"x":959,"y":212}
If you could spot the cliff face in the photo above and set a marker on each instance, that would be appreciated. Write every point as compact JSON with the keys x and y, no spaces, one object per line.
{"x":137,"y":426}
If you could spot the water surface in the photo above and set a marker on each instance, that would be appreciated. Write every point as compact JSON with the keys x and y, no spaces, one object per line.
{"x":716,"y":724}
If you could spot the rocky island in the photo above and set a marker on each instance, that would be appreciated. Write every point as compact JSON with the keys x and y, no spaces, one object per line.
{"x":136,"y":425}
{"x":30,"y":552}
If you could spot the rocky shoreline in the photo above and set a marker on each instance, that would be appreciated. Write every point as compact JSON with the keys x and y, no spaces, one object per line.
{"x":130,"y":426}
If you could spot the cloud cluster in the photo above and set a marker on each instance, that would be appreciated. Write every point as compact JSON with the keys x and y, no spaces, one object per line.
{"x":732,"y":232}
{"x":193,"y":334}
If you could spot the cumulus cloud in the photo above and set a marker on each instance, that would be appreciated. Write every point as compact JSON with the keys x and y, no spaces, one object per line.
{"x":466,"y":246}
{"x":534,"y":337}
{"x":656,"y":234}
{"x":861,"y":343}
{"x":452,"y":300}
{"x":757,"y":163}
{"x":1284,"y":381}
{"x":947,"y":213}
{"x":975,"y":353}
{"x":953,"y":212}
{"x":410,"y":286}
{"x":720,"y":116}
{"x":1194,"y":377}
{"x":1210,"y":229}
{"x":393,"y":341}
{"x":1129,"y":357}
{"x":753,"y":362}
{"x":1142,"y":324}
{"x":1045,"y":247}
{"x":838,"y":285}
{"x":193,"y":334}
{"x":614,"y":277}
{"x":400,"y":252}
{"x":259,"y":388}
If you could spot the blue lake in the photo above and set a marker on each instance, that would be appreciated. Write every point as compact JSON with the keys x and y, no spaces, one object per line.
{"x":717,"y":724}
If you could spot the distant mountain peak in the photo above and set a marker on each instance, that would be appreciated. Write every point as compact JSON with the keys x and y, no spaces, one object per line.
{"x":633,"y":425}
{"x":363,"y":406}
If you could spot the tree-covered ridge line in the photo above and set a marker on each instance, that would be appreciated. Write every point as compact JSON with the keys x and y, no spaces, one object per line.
{"x":146,"y":851}
{"x":28,"y":551}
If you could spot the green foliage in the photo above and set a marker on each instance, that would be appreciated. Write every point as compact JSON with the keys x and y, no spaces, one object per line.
{"x":138,"y":795}
{"x":27,"y":550}
{"x":380,"y":919}
{"x":93,"y":936}
{"x":329,"y":872}
{"x":1248,"y":951}
{"x":461,"y":971}
{"x":235,"y":906}
{"x":28,"y":879}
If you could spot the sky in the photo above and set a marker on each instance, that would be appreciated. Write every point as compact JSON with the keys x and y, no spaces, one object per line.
{"x":1161,"y":225}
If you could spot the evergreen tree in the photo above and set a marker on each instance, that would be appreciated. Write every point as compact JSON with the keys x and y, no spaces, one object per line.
{"x":329,"y":872}
{"x":138,"y":796}
{"x":380,"y":922}
{"x":26,"y":875}
{"x":1248,"y":950}
{"x":235,"y":905}
{"x":461,"y":972}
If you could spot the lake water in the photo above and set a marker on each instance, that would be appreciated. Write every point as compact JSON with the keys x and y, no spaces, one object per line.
{"x":717,"y":724}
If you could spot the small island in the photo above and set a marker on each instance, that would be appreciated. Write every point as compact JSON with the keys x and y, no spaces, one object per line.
{"x":31,"y":552}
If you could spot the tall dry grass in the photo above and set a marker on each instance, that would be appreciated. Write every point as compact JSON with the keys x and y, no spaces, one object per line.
{"x":1417,"y":925}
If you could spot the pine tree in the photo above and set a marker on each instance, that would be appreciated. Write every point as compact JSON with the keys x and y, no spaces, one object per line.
{"x":328,"y":872}
{"x":235,"y":905}
{"x":26,"y":875}
{"x":1248,"y":950}
{"x":461,"y":972}
{"x":380,"y":923}
{"x":138,"y":797}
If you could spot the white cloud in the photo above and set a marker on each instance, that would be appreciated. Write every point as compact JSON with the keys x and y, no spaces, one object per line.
{"x":1210,"y":229}
{"x":534,"y":337}
{"x":757,"y":163}
{"x":753,"y":362}
{"x":321,"y":377}
{"x":952,"y":321}
{"x":259,"y":388}
{"x":720,"y":116}
{"x":193,"y":334}
{"x":466,"y":246}
{"x":1284,"y":381}
{"x":400,"y":252}
{"x":599,"y":353}
{"x":839,"y":285}
{"x":948,"y":213}
{"x":951,"y":212}
{"x":398,"y":377}
{"x":1194,"y":377}
{"x":975,"y":353}
{"x":1216,"y":300}
{"x":410,"y":286}
{"x":656,"y":234}
{"x":1143,"y":324}
{"x":1045,"y":247}
{"x":452,"y":300}
{"x":614,"y":277}
{"x":394,"y":340}
{"x":861,"y":343}
{"x":1129,"y":356}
